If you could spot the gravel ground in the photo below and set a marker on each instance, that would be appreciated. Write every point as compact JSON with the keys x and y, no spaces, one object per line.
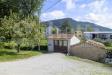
{"x":52,"y":64}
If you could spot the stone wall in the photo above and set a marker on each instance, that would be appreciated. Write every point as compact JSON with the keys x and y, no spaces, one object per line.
{"x":88,"y":51}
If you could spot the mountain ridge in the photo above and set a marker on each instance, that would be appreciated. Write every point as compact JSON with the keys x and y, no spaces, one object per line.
{"x":75,"y":24}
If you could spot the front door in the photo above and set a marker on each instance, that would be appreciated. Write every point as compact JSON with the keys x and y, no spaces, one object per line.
{"x":60,"y":46}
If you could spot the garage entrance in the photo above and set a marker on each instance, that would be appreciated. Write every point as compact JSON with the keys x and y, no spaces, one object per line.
{"x":60,"y":46}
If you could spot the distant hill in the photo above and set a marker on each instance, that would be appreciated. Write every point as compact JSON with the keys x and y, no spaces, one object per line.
{"x":76,"y":24}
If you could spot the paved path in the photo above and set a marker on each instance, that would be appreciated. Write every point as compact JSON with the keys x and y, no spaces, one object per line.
{"x":51,"y":64}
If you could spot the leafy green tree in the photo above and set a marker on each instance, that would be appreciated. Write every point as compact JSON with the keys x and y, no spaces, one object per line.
{"x":29,"y":7}
{"x":24,"y":26}
{"x":66,"y":27}
{"x":7,"y":24}
{"x":54,"y":30}
{"x":28,"y":31}
{"x":90,"y":28}
{"x":79,"y":28}
{"x":22,"y":7}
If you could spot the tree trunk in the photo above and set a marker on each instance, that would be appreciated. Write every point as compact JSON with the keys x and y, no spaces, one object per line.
{"x":18,"y":48}
{"x":38,"y":47}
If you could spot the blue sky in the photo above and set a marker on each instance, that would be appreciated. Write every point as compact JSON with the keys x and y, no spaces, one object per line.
{"x":95,"y":11}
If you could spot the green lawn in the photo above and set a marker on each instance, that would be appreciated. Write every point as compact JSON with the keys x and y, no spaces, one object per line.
{"x":11,"y":55}
{"x":81,"y":59}
{"x":89,"y":61}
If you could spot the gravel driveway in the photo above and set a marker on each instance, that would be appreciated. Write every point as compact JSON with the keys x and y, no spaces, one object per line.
{"x":52,"y":64}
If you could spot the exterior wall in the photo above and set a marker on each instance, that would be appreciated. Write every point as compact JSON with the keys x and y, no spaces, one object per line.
{"x":88,"y":52}
{"x":88,"y":36}
{"x":48,"y":31}
{"x":50,"y":45}
{"x":74,"y":40}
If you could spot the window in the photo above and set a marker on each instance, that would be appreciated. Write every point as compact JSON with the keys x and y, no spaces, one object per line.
{"x":104,"y":36}
{"x":110,"y":36}
{"x":65,"y":43}
{"x":60,"y":43}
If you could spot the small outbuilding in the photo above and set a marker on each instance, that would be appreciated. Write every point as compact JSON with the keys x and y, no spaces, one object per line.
{"x":62,"y":42}
{"x":89,"y":50}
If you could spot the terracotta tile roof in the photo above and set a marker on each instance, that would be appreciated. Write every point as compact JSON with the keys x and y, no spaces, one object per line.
{"x":96,"y":44}
{"x":61,"y":36}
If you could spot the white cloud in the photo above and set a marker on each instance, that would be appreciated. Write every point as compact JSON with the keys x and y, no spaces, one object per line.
{"x":97,"y":6}
{"x":83,"y":6}
{"x":94,"y":17}
{"x":70,"y":4}
{"x":101,"y":19}
{"x":56,"y":14}
{"x":99,"y":13}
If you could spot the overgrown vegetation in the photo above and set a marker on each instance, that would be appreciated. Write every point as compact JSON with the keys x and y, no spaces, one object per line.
{"x":108,"y":47}
{"x":107,"y":43}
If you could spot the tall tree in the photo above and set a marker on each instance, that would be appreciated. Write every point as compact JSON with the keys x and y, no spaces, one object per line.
{"x":66,"y":27}
{"x":22,"y":26}
{"x":29,"y":7}
{"x":79,"y":28}
{"x":54,"y":30}
{"x":90,"y":28}
{"x":23,"y":7}
{"x":15,"y":29}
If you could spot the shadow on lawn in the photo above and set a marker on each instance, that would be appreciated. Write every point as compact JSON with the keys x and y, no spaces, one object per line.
{"x":2,"y":53}
{"x":7,"y":53}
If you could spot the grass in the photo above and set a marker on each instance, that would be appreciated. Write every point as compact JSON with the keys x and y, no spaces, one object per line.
{"x":92,"y":71}
{"x":80,"y":59}
{"x":89,"y":61}
{"x":108,"y":65}
{"x":11,"y":55}
{"x":110,"y":47}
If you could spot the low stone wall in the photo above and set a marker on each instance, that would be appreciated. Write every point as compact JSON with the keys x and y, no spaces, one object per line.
{"x":88,"y":52}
